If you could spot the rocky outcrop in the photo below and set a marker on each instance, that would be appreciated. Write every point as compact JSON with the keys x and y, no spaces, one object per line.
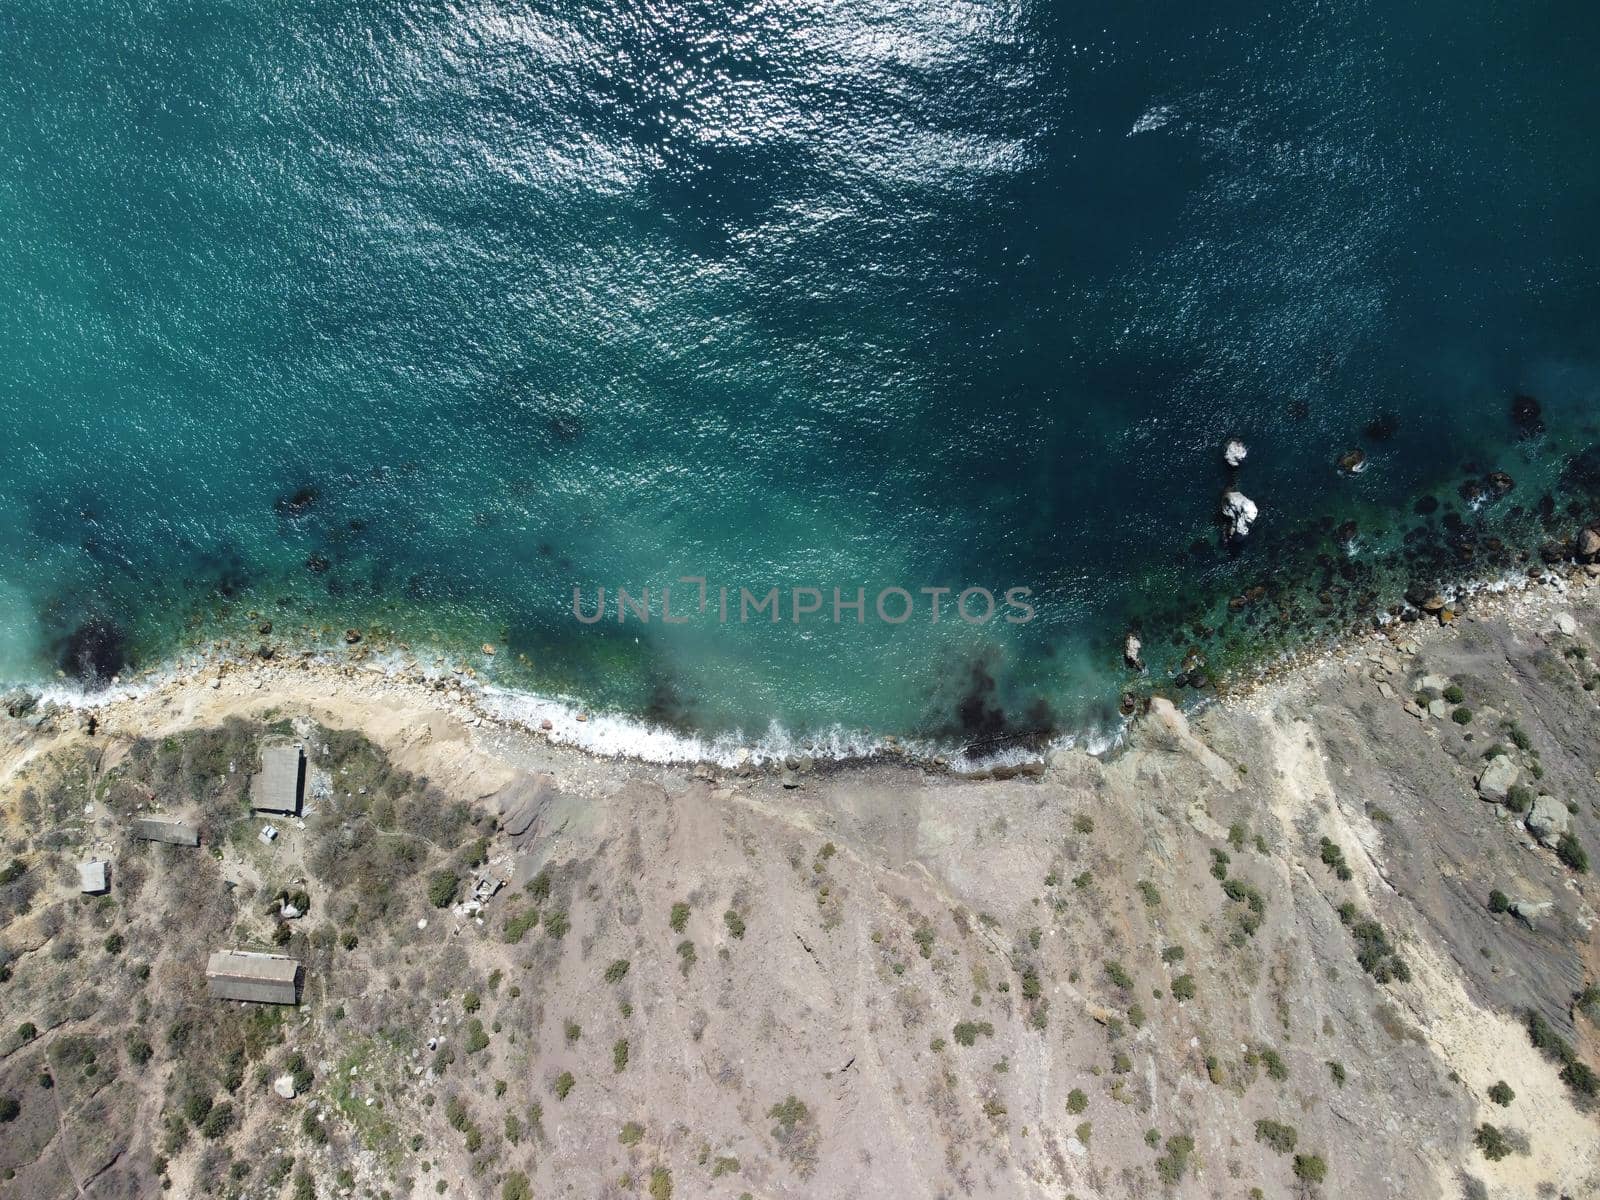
{"x":1235,"y":452}
{"x":19,"y":702}
{"x":1548,"y":819}
{"x":1497,"y":778}
{"x":1239,"y":513}
{"x":1131,"y":646}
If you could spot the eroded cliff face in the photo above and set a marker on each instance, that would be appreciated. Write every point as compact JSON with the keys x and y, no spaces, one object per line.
{"x":1254,"y":949}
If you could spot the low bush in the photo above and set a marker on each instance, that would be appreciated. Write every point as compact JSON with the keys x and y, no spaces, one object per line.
{"x":1278,"y":1136}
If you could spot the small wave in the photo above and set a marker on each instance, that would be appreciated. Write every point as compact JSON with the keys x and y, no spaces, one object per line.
{"x":1158,"y":116}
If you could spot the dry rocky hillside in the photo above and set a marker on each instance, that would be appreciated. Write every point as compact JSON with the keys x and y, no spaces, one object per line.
{"x":1300,"y":943}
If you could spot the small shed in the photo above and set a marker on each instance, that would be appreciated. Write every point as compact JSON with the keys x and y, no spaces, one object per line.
{"x":166,"y":829}
{"x":92,"y":878}
{"x":253,"y":976}
{"x":277,"y":788}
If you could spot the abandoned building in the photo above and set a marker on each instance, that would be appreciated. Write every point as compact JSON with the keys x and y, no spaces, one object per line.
{"x":278,"y":787}
{"x":92,"y":878}
{"x":166,"y":829}
{"x":253,"y":976}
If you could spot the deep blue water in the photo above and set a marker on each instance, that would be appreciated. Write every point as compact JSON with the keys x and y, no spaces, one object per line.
{"x":415,"y":317}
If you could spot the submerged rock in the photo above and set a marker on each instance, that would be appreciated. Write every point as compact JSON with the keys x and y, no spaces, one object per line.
{"x":1239,"y":513}
{"x":1353,"y":462}
{"x":297,"y":502}
{"x":93,"y":652}
{"x":1526,"y":415}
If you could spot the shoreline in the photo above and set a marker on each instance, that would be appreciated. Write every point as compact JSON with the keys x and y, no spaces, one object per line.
{"x":459,"y":691}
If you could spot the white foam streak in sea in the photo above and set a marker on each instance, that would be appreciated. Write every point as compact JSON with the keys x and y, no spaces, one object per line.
{"x":619,"y":735}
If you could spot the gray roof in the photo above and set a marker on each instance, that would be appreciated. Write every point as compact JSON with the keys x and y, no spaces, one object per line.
{"x":92,"y":877}
{"x":166,"y":829}
{"x":249,"y":975}
{"x":277,"y":787}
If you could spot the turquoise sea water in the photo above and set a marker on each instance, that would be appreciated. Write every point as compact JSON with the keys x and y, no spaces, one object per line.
{"x":415,"y":317}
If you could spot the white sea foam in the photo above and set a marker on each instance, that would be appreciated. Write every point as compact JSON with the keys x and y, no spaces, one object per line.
{"x":1157,"y":116}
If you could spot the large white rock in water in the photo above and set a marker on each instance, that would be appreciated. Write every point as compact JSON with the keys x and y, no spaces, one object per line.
{"x":1234,"y":452}
{"x":1130,"y":652}
{"x":1497,"y":778}
{"x":1239,"y":512}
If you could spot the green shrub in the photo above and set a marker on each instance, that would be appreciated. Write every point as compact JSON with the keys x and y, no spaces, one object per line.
{"x":679,"y":918}
{"x":564,"y":1085}
{"x":477,"y":1039}
{"x":470,"y":1002}
{"x":1183,"y":987}
{"x":1571,"y":852}
{"x":632,"y":1134}
{"x":556,"y":925}
{"x":619,"y":1055}
{"x":516,"y":1187}
{"x":1492,"y":1142}
{"x":734,"y":922}
{"x":539,"y":886}
{"x":1501,"y":1093}
{"x":1454,"y":694}
{"x":1076,"y":1101}
{"x":516,"y":928}
{"x":617,"y":971}
{"x":1275,"y":1067}
{"x":1462,"y":716}
{"x":1499,"y":902}
{"x":218,"y":1121}
{"x":442,"y":887}
{"x":1333,"y":857}
{"x":1310,"y":1168}
{"x":1336,"y":1069}
{"x":1278,"y":1136}
{"x":923,"y":937}
{"x":196,"y":1107}
{"x":1519,"y":799}
{"x":966,"y":1033}
{"x":1118,"y":974}
{"x":9,"y":1109}
{"x":1172,"y":1165}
